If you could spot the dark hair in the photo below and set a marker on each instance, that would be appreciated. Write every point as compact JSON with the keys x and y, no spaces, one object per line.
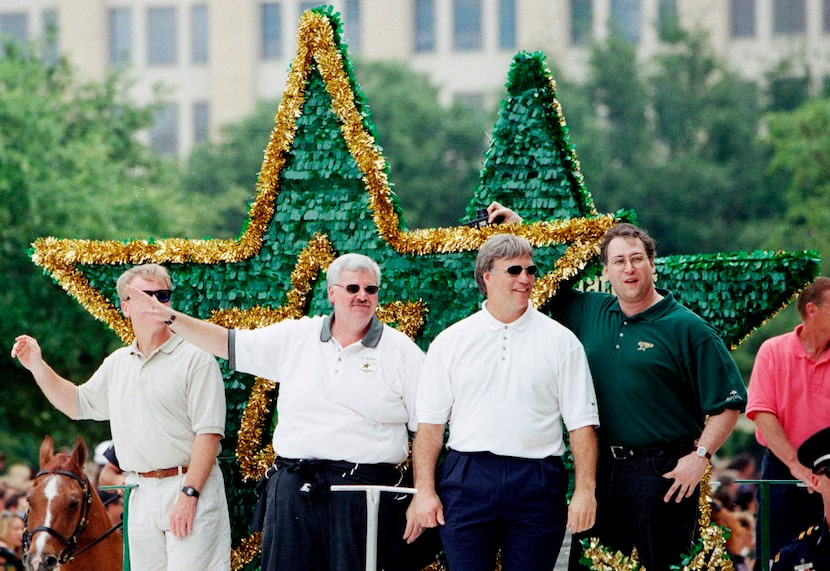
{"x":813,"y":293}
{"x":625,"y":230}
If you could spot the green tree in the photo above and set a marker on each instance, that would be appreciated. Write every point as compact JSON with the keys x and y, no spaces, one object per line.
{"x":675,"y":139}
{"x":70,"y":167}
{"x":435,"y":153}
{"x":800,"y":141}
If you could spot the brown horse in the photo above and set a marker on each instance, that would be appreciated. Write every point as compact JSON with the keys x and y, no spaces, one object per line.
{"x":68,"y":526}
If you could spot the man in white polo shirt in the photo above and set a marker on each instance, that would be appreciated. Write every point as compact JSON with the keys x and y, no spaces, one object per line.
{"x":165,"y":401}
{"x":347,"y":386}
{"x":505,"y":378}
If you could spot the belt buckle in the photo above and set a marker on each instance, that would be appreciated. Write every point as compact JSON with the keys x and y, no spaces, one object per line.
{"x":159,"y":474}
{"x":620,"y":452}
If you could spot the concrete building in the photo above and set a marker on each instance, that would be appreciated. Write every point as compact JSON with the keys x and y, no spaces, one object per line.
{"x":217,"y":58}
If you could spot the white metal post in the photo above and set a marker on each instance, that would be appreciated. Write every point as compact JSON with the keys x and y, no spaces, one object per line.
{"x":372,"y":506}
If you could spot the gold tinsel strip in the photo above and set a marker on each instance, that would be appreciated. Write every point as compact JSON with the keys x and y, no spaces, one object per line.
{"x":254,"y":460}
{"x":246,"y":551}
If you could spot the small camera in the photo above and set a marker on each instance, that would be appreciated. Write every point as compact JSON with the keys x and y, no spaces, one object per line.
{"x":481,"y":219}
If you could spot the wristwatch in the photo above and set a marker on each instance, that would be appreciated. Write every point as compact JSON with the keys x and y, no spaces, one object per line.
{"x":190,"y":491}
{"x":703,"y":453}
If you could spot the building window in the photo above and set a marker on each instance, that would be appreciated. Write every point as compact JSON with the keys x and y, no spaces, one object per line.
{"x":668,"y":22}
{"x":201,"y":122}
{"x":582,"y":18}
{"x":507,"y":24}
{"x":788,"y":17}
{"x":161,"y":36}
{"x":271,"y":46}
{"x":626,"y":19}
{"x":742,"y":18}
{"x":351,"y":25}
{"x":121,"y":36}
{"x":14,"y":27}
{"x":466,"y":25}
{"x":424,"y":26}
{"x":164,"y":134}
{"x":199,"y":38}
{"x":50,"y":33}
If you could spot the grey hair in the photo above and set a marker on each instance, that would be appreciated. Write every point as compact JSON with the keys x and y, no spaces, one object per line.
{"x":351,"y":263}
{"x":152,"y":272}
{"x":495,"y":248}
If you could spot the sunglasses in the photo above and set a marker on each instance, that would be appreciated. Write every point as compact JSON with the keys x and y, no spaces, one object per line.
{"x":163,"y":295}
{"x":354,"y":288}
{"x":516,"y":270}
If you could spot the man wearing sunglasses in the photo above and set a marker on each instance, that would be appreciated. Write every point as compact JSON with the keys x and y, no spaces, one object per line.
{"x":347,"y":387}
{"x":506,"y":378}
{"x":165,"y":401}
{"x":669,"y":395}
{"x":811,"y":549}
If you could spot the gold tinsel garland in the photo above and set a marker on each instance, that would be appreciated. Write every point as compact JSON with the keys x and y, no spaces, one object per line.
{"x":316,"y":46}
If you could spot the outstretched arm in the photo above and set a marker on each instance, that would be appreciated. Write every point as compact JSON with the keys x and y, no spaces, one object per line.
{"x":204,"y":334}
{"x":59,"y":391}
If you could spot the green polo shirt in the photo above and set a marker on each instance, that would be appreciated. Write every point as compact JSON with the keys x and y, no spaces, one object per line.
{"x":657,"y":374}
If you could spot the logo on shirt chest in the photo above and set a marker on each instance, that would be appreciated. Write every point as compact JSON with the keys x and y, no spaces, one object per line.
{"x":644,"y":345}
{"x":368,"y":365}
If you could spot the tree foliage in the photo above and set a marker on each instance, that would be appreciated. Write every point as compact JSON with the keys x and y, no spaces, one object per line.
{"x":70,"y":165}
{"x":676,"y":140}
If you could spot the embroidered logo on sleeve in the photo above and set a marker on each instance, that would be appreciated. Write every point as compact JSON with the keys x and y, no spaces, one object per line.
{"x":643,"y":345}
{"x":368,"y":365}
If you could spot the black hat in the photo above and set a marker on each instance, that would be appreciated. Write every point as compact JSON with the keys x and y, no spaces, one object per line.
{"x":815,"y":451}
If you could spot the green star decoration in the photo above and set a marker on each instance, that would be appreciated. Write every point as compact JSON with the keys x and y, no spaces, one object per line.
{"x":323,"y":191}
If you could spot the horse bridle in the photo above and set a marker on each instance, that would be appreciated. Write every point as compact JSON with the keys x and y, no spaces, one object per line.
{"x":70,"y":544}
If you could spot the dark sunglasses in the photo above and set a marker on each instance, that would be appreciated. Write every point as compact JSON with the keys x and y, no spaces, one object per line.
{"x":354,"y":288}
{"x":516,"y":270}
{"x":163,"y":295}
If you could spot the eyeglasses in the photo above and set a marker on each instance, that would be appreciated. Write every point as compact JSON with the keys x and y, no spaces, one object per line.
{"x":516,"y":270}
{"x":163,"y":295}
{"x":637,"y":261}
{"x":354,"y":288}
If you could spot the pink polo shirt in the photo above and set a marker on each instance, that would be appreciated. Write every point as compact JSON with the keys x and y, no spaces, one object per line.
{"x":786,"y":382}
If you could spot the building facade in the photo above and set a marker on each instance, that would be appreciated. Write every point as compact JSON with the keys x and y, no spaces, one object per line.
{"x":215,"y":59}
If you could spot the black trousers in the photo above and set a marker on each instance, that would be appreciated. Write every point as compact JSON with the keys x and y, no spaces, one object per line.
{"x":309,"y":527}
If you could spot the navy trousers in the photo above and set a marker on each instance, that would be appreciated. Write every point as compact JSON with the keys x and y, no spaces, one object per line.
{"x":495,"y":502}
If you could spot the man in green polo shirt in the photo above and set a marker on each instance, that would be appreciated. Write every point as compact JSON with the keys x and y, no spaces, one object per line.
{"x":668,"y":393}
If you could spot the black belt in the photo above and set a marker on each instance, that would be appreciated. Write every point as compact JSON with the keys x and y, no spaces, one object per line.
{"x":627,"y":453}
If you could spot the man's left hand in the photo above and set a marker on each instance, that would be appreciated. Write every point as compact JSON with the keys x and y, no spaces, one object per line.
{"x":182,"y":516}
{"x":686,"y":475}
{"x":582,"y":512}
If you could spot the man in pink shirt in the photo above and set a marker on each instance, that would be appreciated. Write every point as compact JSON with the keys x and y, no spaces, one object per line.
{"x":789,"y":400}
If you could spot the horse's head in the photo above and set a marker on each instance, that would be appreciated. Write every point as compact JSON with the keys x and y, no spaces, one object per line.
{"x":59,"y":503}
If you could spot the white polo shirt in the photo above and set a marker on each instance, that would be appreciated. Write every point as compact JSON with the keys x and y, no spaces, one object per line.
{"x":156,"y":403}
{"x":335,"y":403}
{"x":507,"y":388}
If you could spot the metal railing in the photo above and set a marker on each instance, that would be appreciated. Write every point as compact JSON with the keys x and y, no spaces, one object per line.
{"x":762,"y":515}
{"x":128,"y":489}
